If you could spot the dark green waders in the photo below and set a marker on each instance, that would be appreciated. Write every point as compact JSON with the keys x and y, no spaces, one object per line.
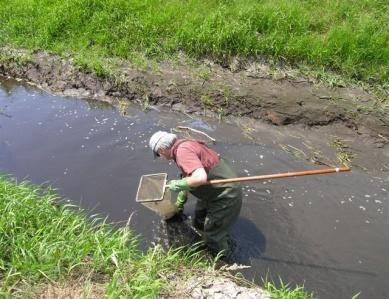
{"x":217,"y":208}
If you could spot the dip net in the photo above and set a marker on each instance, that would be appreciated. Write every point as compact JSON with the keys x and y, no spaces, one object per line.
{"x":153,"y":194}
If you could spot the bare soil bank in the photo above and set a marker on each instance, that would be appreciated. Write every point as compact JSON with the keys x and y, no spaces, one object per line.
{"x":250,"y":90}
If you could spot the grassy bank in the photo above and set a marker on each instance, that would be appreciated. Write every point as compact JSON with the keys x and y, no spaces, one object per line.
{"x":45,"y":243}
{"x":349,"y":37}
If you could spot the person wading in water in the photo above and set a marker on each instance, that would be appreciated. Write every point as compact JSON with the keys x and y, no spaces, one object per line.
{"x":218,"y":206}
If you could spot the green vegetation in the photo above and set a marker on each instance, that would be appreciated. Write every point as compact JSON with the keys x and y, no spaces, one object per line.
{"x":204,"y":73}
{"x":284,"y":291}
{"x":206,"y":100}
{"x":42,"y":241}
{"x":343,"y":153}
{"x":45,"y":242}
{"x":349,"y":37}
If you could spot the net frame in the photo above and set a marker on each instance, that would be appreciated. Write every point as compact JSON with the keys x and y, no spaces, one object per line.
{"x":143,"y":184}
{"x":162,"y":202}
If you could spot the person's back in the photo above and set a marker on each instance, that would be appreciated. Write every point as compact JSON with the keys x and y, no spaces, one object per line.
{"x":190,"y":154}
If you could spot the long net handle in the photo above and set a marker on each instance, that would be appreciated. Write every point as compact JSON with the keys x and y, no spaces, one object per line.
{"x":280,"y":175}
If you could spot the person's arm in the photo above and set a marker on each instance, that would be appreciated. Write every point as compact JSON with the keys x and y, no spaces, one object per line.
{"x":189,"y":163}
{"x":197,"y":178}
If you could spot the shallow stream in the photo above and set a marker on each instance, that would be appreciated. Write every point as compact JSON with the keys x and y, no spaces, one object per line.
{"x":328,"y":232}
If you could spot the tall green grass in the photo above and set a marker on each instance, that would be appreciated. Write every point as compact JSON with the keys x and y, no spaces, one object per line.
{"x":44,"y":241}
{"x":349,"y":37}
{"x":283,"y":290}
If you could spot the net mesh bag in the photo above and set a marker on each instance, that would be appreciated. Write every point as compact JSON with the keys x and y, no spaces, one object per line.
{"x":153,"y":194}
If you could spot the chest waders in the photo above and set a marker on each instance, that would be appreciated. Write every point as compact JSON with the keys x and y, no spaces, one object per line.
{"x":217,"y":208}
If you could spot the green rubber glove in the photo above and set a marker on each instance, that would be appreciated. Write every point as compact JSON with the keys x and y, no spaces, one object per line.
{"x":178,"y":185}
{"x":182,"y":197}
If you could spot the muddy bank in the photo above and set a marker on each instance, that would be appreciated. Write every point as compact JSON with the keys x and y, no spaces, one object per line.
{"x":254,"y":91}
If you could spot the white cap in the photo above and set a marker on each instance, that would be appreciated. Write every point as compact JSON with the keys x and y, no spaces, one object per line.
{"x":161,"y":139}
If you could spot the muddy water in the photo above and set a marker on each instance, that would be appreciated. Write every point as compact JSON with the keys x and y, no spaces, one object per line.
{"x":327,"y":232}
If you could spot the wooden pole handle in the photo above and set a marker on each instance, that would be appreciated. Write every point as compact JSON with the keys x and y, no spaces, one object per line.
{"x":280,"y":175}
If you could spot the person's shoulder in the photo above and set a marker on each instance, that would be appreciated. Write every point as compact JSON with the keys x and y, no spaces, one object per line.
{"x":185,"y":145}
{"x":188,"y":145}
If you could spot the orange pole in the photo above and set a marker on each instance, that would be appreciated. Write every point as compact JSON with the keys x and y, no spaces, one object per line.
{"x":280,"y":175}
